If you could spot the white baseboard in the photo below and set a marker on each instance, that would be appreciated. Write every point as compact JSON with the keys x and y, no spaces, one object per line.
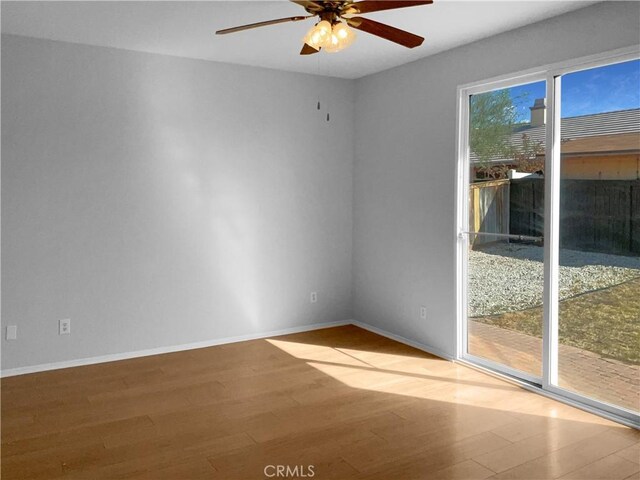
{"x":168,"y":349}
{"x":420,"y":346}
{"x":211,"y":343}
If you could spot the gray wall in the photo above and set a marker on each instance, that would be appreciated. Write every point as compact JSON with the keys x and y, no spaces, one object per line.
{"x":404,"y":174}
{"x":159,"y":201}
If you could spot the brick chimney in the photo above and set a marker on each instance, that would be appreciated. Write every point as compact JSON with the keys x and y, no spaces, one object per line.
{"x":539,"y":112}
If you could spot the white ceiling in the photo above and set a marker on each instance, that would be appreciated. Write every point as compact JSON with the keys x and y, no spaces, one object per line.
{"x":186,"y":29}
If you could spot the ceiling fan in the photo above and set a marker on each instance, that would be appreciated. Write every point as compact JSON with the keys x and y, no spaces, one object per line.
{"x":332,"y":33}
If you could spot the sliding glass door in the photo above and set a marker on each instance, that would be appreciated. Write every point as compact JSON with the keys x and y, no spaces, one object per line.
{"x":505,"y":230}
{"x":549,"y":230}
{"x":599,"y":244}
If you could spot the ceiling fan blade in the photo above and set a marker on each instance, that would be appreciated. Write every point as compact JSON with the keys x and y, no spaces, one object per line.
{"x":308,"y":50}
{"x":311,"y":7}
{"x":368,"y":6}
{"x":261,"y":24}
{"x":387,"y":32}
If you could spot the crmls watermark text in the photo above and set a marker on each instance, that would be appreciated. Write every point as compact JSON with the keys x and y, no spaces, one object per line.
{"x":284,"y":471}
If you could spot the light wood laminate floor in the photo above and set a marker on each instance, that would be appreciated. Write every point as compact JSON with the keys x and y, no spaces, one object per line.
{"x":348,"y":402}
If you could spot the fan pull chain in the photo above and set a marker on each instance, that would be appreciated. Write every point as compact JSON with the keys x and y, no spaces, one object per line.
{"x":318,"y":74}
{"x":328,"y":108}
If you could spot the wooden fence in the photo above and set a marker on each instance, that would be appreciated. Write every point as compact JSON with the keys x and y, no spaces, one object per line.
{"x":595,"y":215}
{"x":526,"y":205}
{"x":488,"y":210}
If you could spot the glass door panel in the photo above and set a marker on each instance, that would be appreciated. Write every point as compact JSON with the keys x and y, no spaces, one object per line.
{"x":505,"y":277}
{"x":599,"y":256}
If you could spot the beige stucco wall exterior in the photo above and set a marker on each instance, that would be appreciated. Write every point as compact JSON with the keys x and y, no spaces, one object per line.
{"x":610,"y":167}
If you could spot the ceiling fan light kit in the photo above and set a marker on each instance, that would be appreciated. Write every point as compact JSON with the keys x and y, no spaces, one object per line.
{"x":333,"y":33}
{"x":331,"y":38}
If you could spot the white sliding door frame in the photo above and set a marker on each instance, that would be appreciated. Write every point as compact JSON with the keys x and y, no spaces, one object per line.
{"x":552,"y":74}
{"x":463,"y":238}
{"x":551,"y":234}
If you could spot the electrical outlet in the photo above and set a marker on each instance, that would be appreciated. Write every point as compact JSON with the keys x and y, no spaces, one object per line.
{"x":12,"y":332}
{"x":64,"y":326}
{"x":313,"y":298}
{"x":423,"y":312}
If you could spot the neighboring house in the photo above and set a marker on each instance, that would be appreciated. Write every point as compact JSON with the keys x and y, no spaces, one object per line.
{"x":602,"y":146}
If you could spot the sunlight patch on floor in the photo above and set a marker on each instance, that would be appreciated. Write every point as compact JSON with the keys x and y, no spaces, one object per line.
{"x":428,"y":378}
{"x":394,"y":373}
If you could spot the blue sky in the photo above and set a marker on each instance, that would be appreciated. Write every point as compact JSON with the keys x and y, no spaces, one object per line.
{"x":602,"y":89}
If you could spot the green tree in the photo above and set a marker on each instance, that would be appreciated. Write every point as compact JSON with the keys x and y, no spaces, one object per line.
{"x":493,"y":118}
{"x":493,"y":121}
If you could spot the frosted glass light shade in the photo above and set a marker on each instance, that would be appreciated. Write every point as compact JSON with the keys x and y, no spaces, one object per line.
{"x":341,"y":37}
{"x":319,"y":35}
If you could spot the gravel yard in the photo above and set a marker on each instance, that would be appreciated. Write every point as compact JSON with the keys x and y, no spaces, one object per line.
{"x":509,"y":277}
